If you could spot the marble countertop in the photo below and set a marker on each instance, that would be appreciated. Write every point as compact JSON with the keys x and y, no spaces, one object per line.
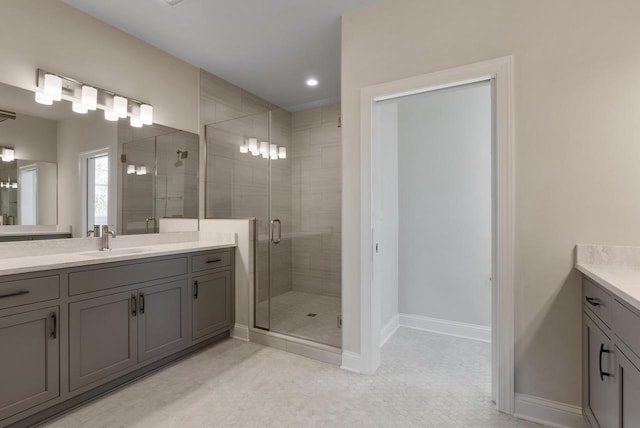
{"x":615,"y":268}
{"x":46,"y":232}
{"x":26,"y":264}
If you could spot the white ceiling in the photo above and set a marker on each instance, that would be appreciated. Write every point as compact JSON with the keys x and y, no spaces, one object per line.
{"x":268,"y":47}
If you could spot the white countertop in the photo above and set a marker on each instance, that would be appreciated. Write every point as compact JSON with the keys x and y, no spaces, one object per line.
{"x":615,"y":268}
{"x":623,"y":281}
{"x":25,"y":264}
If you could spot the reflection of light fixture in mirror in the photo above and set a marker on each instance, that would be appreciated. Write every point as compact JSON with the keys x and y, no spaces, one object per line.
{"x":131,"y":169}
{"x":52,"y":86}
{"x":264,"y":148}
{"x":253,"y":144}
{"x":8,"y":184}
{"x":244,"y":148}
{"x":282,"y":153}
{"x":110,"y":116}
{"x":312,"y":82}
{"x":78,"y":108}
{"x":141,"y":170}
{"x":89,"y":97}
{"x":265,"y":155}
{"x":273,"y":150}
{"x":8,"y":154}
{"x":255,"y":153}
{"x":136,"y":122}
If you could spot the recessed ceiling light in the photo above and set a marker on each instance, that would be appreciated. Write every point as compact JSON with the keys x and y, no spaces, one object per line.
{"x":312,"y":82}
{"x":173,"y":2}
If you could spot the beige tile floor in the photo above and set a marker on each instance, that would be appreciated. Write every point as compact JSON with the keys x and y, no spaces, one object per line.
{"x":425,"y":380}
{"x":289,"y":315}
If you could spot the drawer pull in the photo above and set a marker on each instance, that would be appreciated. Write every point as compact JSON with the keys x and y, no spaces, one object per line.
{"x":603,"y":351}
{"x":54,"y":325}
{"x":593,"y":302}
{"x":195,"y":289}
{"x":213,"y":261}
{"x":17,"y":293}
{"x":141,"y":303}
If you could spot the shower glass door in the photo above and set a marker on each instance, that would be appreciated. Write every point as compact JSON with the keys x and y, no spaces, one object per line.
{"x":138,"y":187}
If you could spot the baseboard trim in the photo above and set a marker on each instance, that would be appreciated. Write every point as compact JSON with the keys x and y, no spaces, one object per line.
{"x":351,"y":361}
{"x":389,"y":329}
{"x":241,"y":332}
{"x":450,"y":328}
{"x":547,"y":412}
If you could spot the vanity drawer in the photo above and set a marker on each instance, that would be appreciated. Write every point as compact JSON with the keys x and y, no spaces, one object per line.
{"x":103,"y":278}
{"x":597,"y":300}
{"x":627,"y":326}
{"x":212,"y":260}
{"x":31,"y":290}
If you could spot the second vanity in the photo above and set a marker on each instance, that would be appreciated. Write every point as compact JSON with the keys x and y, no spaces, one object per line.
{"x":76,"y":324}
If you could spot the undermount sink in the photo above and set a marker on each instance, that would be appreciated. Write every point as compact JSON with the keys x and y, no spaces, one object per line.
{"x":114,"y":253}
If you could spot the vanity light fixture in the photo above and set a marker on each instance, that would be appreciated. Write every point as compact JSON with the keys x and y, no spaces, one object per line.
{"x":282,"y":153}
{"x":141,"y":170}
{"x":8,"y":184}
{"x":54,"y":87}
{"x":253,"y":144}
{"x":131,"y":169}
{"x":136,"y":122}
{"x":264,"y":148}
{"x":8,"y":154}
{"x":273,"y":150}
{"x":89,"y":97}
{"x":79,"y":107}
{"x":312,"y":82}
{"x":244,"y":148}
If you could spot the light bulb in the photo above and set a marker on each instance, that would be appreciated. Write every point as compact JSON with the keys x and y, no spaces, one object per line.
{"x":264,"y":148}
{"x":89,"y":97}
{"x":274,"y":156}
{"x":282,"y":152}
{"x":255,"y":152}
{"x":136,"y":122}
{"x":110,"y":116}
{"x":78,"y":108}
{"x":253,"y":144}
{"x":146,"y":114}
{"x":312,"y":82}
{"x":141,"y":170}
{"x":43,"y":99}
{"x":14,"y":185}
{"x":131,"y":169}
{"x":53,"y":87}
{"x":244,"y":149}
{"x":265,"y":155}
{"x":120,"y":106}
{"x":273,"y":150}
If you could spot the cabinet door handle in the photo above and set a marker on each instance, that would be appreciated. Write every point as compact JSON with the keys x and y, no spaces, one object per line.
{"x":195,"y":289}
{"x":213,"y":261}
{"x":54,"y":325}
{"x":141,"y":303}
{"x":603,"y":351}
{"x":17,"y":293}
{"x":134,"y":305}
{"x":593,"y":302}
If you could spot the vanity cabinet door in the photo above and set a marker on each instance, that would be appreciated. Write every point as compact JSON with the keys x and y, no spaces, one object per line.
{"x":29,"y":371}
{"x":629,"y":393}
{"x":163,"y":319}
{"x":102,"y":337}
{"x":601,"y":388}
{"x":211,"y":297}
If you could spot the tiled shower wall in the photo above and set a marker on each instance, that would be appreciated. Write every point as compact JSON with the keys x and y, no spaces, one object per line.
{"x":316,"y":183}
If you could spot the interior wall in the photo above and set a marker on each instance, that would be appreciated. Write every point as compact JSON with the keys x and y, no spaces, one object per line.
{"x":444,"y":164}
{"x":56,"y":37}
{"x":577,"y":82}
{"x":315,"y":191}
{"x":33,"y":138}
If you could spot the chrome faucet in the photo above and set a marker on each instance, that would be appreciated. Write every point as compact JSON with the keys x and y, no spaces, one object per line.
{"x":105,"y":237}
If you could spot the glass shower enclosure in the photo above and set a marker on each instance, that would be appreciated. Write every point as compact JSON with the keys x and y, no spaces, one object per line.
{"x":262,"y":166}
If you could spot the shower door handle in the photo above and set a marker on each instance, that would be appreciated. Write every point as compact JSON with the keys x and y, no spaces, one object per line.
{"x":273,"y":233}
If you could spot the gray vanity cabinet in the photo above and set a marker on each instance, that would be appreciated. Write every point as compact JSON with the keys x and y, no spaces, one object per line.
{"x":29,"y":360}
{"x":601,"y":389}
{"x":163,"y":319}
{"x":103,"y":337}
{"x":211,"y":303}
{"x":629,"y":376}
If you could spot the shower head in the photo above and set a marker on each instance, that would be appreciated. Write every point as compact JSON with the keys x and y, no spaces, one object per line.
{"x":181,"y":154}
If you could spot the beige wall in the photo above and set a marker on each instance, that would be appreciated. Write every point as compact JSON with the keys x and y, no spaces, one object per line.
{"x":52,"y":35}
{"x":577,"y":153}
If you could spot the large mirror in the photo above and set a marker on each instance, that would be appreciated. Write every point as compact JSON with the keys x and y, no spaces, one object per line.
{"x":65,"y":172}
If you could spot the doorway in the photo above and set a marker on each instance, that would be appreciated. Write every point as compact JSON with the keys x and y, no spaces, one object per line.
{"x":375,"y":271}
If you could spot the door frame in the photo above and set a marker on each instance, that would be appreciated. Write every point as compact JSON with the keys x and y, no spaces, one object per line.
{"x":501,"y":70}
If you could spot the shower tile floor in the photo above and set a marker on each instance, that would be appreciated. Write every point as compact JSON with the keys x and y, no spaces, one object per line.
{"x":290,"y":315}
{"x":425,"y":380}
